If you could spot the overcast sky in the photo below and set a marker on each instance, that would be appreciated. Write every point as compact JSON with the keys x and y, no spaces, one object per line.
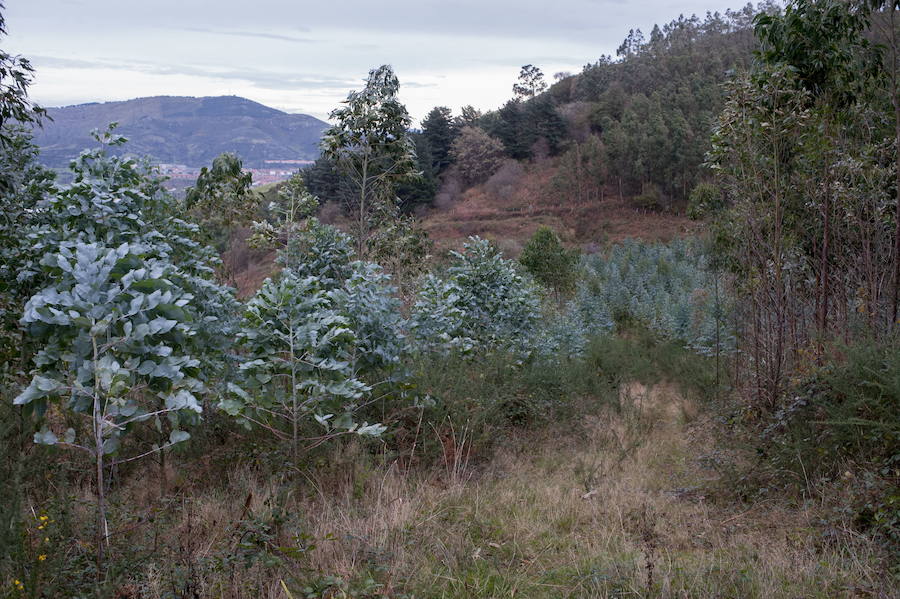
{"x":304,"y":56}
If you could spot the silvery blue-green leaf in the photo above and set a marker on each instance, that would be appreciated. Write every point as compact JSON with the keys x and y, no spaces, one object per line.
{"x":46,"y":384}
{"x":146,"y":367}
{"x":40,"y":387}
{"x":104,"y":371}
{"x":373,"y":430}
{"x":238,"y":391}
{"x":111,"y":445}
{"x":181,"y":400}
{"x":231,"y":407}
{"x":70,"y":436}
{"x":45,"y":437}
{"x":177,"y":436}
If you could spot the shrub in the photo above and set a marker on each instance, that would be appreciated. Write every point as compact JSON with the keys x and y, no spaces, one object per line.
{"x":502,"y":184}
{"x":650,"y":199}
{"x":549,"y":262}
{"x":847,"y":410}
{"x":129,"y":307}
{"x":319,"y":337}
{"x":843,"y":420}
{"x":299,"y":351}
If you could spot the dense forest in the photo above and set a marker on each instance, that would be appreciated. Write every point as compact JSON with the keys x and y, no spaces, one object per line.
{"x":716,"y":416}
{"x":645,"y":116}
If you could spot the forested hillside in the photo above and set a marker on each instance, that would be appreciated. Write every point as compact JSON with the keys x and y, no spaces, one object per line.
{"x":189,"y":131}
{"x":393,"y":406}
{"x":635,"y":127}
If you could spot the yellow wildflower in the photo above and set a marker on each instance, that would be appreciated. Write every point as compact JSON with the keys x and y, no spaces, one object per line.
{"x":18,"y":584}
{"x":42,"y":557}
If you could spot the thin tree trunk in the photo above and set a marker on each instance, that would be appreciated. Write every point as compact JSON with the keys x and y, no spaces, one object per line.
{"x":361,"y":239}
{"x":718,"y":331}
{"x":895,"y":299}
{"x":102,"y":527}
{"x":294,"y":416}
{"x":824,"y":267}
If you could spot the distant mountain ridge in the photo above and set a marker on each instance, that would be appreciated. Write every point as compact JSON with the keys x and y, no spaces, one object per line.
{"x":184,"y":130}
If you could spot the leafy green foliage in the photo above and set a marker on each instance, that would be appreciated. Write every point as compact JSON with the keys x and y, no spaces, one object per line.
{"x":26,"y":184}
{"x":706,"y":201}
{"x":320,"y":337}
{"x":582,"y":173}
{"x":321,"y":251}
{"x":823,"y":44}
{"x":415,"y":192}
{"x":131,"y":296}
{"x":522,"y":126}
{"x":128,"y":308}
{"x":299,"y":352}
{"x":549,"y":262}
{"x":16,"y":76}
{"x":402,"y":247}
{"x":655,"y":106}
{"x":843,"y":416}
{"x":221,"y":198}
{"x":440,"y":131}
{"x":290,"y":215}
{"x":110,"y":324}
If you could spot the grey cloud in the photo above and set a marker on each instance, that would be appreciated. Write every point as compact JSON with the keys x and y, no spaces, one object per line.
{"x":567,"y":20}
{"x":256,"y":34}
{"x":257,"y":77}
{"x":417,"y":84}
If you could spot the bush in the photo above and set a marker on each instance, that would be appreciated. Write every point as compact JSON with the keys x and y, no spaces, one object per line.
{"x":847,"y":410}
{"x":650,"y":199}
{"x":549,"y":262}
{"x":842,"y":421}
{"x":504,"y":182}
{"x":320,"y":337}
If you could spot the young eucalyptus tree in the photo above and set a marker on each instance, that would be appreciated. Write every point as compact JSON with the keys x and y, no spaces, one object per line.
{"x":323,"y":337}
{"x":484,"y":302}
{"x":300,"y":365}
{"x":370,"y":143}
{"x":121,"y":319}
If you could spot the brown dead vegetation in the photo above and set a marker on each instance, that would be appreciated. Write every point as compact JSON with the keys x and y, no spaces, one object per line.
{"x":508,"y":210}
{"x":623,"y":504}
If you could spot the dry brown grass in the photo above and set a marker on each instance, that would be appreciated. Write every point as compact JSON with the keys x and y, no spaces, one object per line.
{"x":505,"y":212}
{"x":617,"y":505}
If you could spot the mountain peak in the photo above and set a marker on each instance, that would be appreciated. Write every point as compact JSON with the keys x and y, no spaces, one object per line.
{"x":184,"y":130}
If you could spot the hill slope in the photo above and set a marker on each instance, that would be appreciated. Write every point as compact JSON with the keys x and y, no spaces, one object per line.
{"x":185,"y":130}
